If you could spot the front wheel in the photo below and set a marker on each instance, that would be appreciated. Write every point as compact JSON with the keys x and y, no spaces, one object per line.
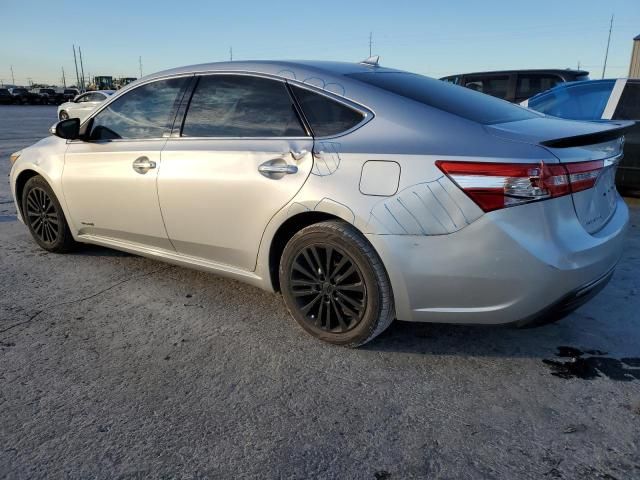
{"x":44,"y":216}
{"x":63,"y":115}
{"x":335,"y":285}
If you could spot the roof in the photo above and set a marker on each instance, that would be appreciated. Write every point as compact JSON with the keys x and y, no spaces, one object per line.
{"x":281,"y":67}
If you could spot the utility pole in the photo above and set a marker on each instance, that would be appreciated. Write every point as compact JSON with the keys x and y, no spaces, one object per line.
{"x":64,"y":80}
{"x":77,"y":75}
{"x":578,"y":64}
{"x":82,"y":69}
{"x":606,"y":55}
{"x":231,"y":54}
{"x":370,"y":42}
{"x":13,"y":80}
{"x":140,"y":65}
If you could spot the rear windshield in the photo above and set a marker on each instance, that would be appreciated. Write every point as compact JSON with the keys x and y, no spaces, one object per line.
{"x":459,"y":101}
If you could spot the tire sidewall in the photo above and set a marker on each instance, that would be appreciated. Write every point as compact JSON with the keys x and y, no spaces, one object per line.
{"x":319,"y":235}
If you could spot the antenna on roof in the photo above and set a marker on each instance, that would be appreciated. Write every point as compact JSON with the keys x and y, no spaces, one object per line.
{"x":373,"y":61}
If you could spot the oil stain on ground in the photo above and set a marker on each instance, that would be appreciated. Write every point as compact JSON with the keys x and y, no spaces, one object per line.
{"x":590,"y":364}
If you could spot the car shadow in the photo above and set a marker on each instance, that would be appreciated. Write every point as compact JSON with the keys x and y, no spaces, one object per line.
{"x":88,"y":250}
{"x":546,"y":343}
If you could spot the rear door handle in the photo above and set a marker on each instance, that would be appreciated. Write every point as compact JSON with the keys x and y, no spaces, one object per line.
{"x":270,"y":168}
{"x":142,"y":165}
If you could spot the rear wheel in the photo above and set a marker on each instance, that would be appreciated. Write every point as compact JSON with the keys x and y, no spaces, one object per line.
{"x":44,"y":216}
{"x":334,"y":284}
{"x":63,"y":115}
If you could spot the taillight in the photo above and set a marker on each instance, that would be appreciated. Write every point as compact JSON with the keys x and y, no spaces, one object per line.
{"x":583,"y":175}
{"x":498,"y":185}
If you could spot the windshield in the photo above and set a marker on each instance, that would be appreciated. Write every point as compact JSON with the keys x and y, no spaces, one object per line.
{"x":450,"y":98}
{"x":583,"y":101}
{"x":19,"y":90}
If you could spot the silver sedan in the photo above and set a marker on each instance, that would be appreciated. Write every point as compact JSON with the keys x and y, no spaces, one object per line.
{"x":361,"y":193}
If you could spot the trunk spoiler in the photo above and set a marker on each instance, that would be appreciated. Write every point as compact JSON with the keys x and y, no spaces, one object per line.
{"x":591,"y":138}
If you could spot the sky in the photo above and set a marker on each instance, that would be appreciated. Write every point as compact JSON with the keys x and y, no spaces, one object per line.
{"x":435,"y":38}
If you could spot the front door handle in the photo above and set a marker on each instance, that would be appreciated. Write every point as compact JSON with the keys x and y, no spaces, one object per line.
{"x":142,"y":165}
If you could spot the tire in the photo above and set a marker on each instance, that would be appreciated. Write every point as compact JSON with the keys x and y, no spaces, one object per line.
{"x":63,"y":115}
{"x":348,"y":303}
{"x":44,"y":217}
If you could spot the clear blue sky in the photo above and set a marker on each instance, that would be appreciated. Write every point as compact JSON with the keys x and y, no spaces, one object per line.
{"x":430,"y":37}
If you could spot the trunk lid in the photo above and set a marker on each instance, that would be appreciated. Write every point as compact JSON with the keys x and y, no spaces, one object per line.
{"x":576,"y":141}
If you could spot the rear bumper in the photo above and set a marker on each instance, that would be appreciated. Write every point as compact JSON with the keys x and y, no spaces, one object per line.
{"x":516,"y":265}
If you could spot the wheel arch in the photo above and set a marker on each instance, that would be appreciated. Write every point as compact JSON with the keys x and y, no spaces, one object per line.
{"x":21,"y":180}
{"x":284,"y":233}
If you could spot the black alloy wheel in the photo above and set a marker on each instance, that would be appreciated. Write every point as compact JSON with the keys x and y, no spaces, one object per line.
{"x":328,"y":288}
{"x":44,"y":216}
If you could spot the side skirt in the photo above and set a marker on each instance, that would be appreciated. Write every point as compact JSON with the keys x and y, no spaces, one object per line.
{"x":175,"y":258}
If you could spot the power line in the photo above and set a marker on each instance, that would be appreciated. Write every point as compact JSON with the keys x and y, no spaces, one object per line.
{"x":606,"y":54}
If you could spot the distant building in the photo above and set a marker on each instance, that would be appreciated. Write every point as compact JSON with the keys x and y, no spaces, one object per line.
{"x":634,"y":68}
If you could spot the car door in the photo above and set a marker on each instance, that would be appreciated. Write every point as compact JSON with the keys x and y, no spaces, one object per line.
{"x":109,"y":177}
{"x":241,"y":155}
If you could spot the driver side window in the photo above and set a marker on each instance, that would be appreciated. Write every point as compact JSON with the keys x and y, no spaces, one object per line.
{"x":143,"y":113}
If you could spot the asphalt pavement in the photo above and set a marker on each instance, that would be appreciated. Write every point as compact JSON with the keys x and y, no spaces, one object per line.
{"x":115,"y":366}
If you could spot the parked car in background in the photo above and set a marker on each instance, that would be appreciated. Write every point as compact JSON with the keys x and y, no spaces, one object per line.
{"x":600,"y":100}
{"x":317,"y":179}
{"x":48,"y":96}
{"x":516,"y":85}
{"x":81,"y":106}
{"x":23,"y":96}
{"x":69,"y":94}
{"x":5,"y":96}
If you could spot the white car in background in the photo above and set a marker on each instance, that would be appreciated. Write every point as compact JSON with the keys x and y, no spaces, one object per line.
{"x":81,"y":106}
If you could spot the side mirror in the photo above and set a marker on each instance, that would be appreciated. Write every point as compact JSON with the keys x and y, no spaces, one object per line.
{"x":68,"y":129}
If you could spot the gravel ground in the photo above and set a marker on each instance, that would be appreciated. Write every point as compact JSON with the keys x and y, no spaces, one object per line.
{"x":115,"y":366}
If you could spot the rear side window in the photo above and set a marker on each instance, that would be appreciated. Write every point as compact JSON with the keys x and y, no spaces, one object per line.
{"x":629,"y":105}
{"x":584,"y":101}
{"x":496,"y":86}
{"x":145,"y":112}
{"x":241,"y":106}
{"x":453,"y":99}
{"x":531,"y":84}
{"x":326,"y":117}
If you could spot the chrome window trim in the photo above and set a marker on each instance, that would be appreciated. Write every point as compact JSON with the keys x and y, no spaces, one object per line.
{"x":367,"y":112}
{"x":114,"y":97}
{"x":243,"y":74}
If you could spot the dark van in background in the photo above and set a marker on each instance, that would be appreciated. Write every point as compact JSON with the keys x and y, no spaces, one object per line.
{"x":516,"y":85}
